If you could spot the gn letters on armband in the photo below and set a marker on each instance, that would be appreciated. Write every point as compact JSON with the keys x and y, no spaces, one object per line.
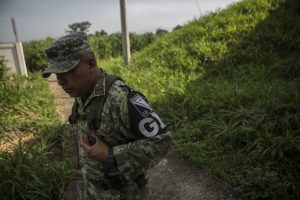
{"x":143,"y":120}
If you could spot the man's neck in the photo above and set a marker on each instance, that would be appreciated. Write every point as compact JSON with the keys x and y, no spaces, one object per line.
{"x":97,"y":78}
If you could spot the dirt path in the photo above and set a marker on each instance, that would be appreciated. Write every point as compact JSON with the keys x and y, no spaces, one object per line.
{"x":62,"y":100}
{"x":174,"y":178}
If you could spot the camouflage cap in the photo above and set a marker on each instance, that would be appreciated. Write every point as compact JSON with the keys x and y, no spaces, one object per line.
{"x":65,"y":53}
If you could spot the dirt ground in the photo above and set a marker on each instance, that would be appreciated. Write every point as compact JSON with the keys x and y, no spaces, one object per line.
{"x":174,"y":178}
{"x":62,"y":100}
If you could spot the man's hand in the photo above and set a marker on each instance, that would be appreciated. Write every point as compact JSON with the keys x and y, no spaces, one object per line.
{"x":98,"y":151}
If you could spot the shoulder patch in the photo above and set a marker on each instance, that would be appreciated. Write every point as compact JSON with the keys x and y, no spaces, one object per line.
{"x":143,"y":120}
{"x":140,"y":105}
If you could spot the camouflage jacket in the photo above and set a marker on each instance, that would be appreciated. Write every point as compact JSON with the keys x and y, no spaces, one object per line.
{"x":129,"y":126}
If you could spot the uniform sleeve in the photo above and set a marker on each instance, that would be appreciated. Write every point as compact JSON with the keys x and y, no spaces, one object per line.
{"x":149,"y":140}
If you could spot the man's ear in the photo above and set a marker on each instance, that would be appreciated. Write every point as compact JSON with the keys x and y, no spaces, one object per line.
{"x":92,"y":64}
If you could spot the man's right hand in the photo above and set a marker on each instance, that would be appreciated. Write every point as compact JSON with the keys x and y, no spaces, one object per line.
{"x":98,"y":151}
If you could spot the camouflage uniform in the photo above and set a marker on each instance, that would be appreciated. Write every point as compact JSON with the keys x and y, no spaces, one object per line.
{"x":134,"y":133}
{"x":134,"y":152}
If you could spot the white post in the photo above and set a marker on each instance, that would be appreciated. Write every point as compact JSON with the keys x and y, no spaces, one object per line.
{"x":22,"y":63}
{"x":19,"y":48}
{"x":125,"y":35}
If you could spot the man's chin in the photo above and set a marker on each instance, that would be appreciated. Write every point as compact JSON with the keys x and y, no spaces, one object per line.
{"x":73,"y":94}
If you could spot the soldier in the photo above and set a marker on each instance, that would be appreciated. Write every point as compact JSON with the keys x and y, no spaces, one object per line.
{"x":119,"y":135}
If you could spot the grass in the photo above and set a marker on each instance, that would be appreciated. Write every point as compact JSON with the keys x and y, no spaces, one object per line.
{"x":36,"y":171}
{"x":228,"y":86}
{"x":27,"y":104}
{"x":33,"y":162}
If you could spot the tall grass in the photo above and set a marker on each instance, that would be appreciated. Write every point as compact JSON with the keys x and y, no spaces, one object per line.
{"x":228,"y":86}
{"x":33,"y":162}
{"x":36,"y":171}
{"x":26,"y":104}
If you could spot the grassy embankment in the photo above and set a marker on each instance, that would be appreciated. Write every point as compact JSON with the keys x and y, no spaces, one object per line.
{"x":228,"y":85}
{"x":32,"y":163}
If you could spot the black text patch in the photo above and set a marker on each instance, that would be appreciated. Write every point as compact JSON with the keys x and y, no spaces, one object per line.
{"x":143,"y":120}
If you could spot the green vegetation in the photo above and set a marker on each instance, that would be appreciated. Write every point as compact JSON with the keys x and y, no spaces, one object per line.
{"x":110,"y":46}
{"x":27,"y":106}
{"x":105,"y":46}
{"x":2,"y":68}
{"x":36,"y":171}
{"x":36,"y":168}
{"x":228,"y":85}
{"x":34,"y":54}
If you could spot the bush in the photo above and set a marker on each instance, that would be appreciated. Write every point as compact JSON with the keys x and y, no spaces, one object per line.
{"x":110,"y":46}
{"x":3,"y":68}
{"x":36,"y":60}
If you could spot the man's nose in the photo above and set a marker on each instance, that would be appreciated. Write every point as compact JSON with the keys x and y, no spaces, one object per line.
{"x":61,"y":79}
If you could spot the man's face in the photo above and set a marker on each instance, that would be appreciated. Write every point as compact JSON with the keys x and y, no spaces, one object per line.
{"x":78,"y":81}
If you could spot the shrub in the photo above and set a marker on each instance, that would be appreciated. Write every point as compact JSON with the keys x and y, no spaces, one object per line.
{"x":35,"y":56}
{"x":3,"y":68}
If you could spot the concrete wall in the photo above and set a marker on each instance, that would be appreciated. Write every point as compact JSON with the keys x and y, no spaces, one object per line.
{"x":14,"y":57}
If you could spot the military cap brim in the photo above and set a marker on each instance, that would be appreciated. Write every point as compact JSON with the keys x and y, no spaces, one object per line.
{"x":60,"y":67}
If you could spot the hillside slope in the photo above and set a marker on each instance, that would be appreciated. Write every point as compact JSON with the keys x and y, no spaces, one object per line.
{"x":228,"y":85}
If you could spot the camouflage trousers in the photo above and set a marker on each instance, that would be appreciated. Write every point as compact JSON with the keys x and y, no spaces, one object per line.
{"x":79,"y":190}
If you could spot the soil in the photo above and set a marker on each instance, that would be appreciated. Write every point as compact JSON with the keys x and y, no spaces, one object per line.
{"x":173,"y":178}
{"x":62,"y":100}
